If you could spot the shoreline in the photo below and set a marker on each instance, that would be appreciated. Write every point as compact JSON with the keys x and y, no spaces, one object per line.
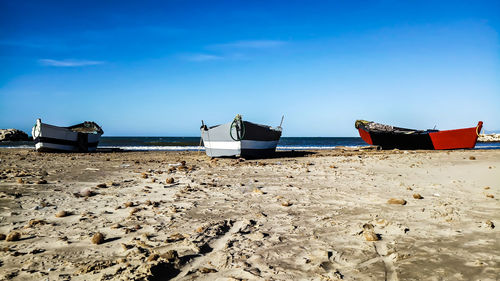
{"x":303,"y":215}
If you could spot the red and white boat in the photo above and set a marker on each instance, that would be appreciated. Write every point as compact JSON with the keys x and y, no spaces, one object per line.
{"x":389,"y":137}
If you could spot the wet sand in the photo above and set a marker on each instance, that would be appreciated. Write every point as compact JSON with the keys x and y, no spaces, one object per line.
{"x":323,"y":215}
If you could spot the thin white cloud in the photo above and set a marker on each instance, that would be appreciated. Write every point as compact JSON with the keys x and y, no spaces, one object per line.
{"x":68,"y":63}
{"x":202,"y":57}
{"x":251,"y":44}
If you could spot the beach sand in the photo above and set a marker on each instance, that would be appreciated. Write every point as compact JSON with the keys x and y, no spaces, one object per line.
{"x":301,"y":216}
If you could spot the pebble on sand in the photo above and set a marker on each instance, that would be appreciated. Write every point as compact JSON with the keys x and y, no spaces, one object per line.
{"x":258,"y":190}
{"x":13,"y":236}
{"x":85,"y":192}
{"x":286,"y":203}
{"x":370,"y":236}
{"x":34,"y":222}
{"x":98,"y":238}
{"x":487,"y":187}
{"x":490,"y":224}
{"x":490,"y":196}
{"x":369,"y":233}
{"x":102,"y":185}
{"x":19,"y":180}
{"x":62,"y":214}
{"x":41,"y":182}
{"x":472,"y":158}
{"x":144,"y":175}
{"x":417,"y":196}
{"x":129,"y":204}
{"x":169,"y":180}
{"x":207,"y":270}
{"x":396,"y":201}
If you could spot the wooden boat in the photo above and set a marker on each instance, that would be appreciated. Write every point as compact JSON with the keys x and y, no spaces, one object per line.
{"x":83,"y":137}
{"x":389,"y":137}
{"x":240,"y":138}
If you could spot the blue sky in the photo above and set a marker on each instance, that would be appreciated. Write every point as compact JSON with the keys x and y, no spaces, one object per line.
{"x":157,"y":68}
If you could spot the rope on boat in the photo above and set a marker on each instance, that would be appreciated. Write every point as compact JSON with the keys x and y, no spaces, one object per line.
{"x":477,"y":133}
{"x":239,"y":126}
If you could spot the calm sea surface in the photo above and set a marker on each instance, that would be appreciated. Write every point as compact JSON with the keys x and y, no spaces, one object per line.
{"x":193,"y":143}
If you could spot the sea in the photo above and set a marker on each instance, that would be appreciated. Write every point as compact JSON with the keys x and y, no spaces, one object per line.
{"x":194,"y":143}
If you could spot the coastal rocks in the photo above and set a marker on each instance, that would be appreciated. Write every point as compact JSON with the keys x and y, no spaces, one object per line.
{"x":13,"y":135}
{"x":489,"y":138}
{"x":395,"y":201}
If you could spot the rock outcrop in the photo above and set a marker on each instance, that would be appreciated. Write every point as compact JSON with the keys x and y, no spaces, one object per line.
{"x":489,"y":138}
{"x":13,"y":135}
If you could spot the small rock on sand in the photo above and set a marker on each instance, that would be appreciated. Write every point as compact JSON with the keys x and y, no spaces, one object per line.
{"x":41,"y":182}
{"x":102,"y":185}
{"x":169,"y":180}
{"x":489,"y":224}
{"x":2,"y":236}
{"x":35,"y":222}
{"x":98,"y":238}
{"x":62,"y":214}
{"x":490,"y":196}
{"x":472,"y":158}
{"x":85,"y":192}
{"x":417,"y":196}
{"x":396,"y":201}
{"x":257,"y":190}
{"x":13,"y":236}
{"x":144,"y":175}
{"x":370,"y":236}
{"x":129,"y":204}
{"x":369,"y":233}
{"x":286,"y":203}
{"x":207,"y":270}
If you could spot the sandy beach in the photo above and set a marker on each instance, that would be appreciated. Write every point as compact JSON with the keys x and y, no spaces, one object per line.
{"x":320,"y":215}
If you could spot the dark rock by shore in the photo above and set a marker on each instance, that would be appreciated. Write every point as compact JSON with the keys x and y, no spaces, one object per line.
{"x":13,"y":135}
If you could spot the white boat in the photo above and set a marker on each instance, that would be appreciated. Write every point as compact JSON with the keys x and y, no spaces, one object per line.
{"x":240,"y":138}
{"x":83,"y":137}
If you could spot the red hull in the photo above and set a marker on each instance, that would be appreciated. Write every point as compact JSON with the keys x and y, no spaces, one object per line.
{"x":455,"y":139}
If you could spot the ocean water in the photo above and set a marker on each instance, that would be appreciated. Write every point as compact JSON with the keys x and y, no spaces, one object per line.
{"x":193,"y":143}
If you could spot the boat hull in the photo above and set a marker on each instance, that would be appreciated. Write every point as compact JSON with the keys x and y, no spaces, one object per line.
{"x":431,"y":140}
{"x":258,"y":141}
{"x":50,"y":138}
